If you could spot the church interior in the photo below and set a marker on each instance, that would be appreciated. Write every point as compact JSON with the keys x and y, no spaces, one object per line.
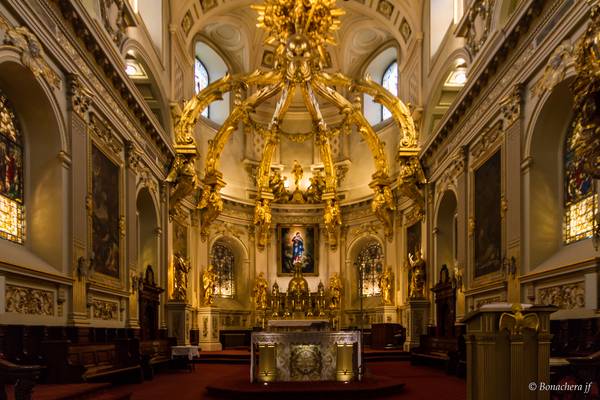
{"x":227,"y":199}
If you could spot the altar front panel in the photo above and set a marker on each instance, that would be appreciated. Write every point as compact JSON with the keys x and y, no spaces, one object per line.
{"x":306,"y":356}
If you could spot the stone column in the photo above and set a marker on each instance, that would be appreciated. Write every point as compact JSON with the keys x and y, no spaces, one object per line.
{"x":208,"y":321}
{"x":417,"y":313}
{"x":511,"y":198}
{"x":133,"y":161}
{"x":79,"y":101}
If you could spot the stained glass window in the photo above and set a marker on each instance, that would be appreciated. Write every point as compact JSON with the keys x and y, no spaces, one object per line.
{"x":223,"y":263}
{"x":11,"y":174}
{"x":201,"y":80}
{"x":370,"y":261}
{"x":390,"y":82}
{"x":579,"y":197}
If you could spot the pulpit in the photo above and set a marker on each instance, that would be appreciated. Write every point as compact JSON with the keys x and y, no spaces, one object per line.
{"x":507,"y":349}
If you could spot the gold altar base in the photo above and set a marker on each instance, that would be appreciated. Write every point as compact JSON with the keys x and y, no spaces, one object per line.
{"x":305,"y":356}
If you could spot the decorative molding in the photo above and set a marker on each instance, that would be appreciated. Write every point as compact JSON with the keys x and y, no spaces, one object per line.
{"x":187,"y":22}
{"x":26,"y":300}
{"x":103,"y":132}
{"x":80,"y":97}
{"x":32,"y":52}
{"x":227,"y":229}
{"x":106,"y":310}
{"x":510,"y":105}
{"x":456,"y":167}
{"x":478,"y":25}
{"x":385,"y":8}
{"x":566,"y":296}
{"x":487,"y":140}
{"x":116,"y":19}
{"x":368,"y":228}
{"x":555,"y":70}
{"x":487,"y":300}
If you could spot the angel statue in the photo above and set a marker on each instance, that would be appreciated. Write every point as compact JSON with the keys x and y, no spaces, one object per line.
{"x":181,"y":267}
{"x":209,"y":281}
{"x":417,"y":276}
{"x":410,"y":181}
{"x":260,"y":292}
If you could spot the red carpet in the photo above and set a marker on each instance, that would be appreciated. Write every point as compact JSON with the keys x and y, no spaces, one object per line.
{"x":421,"y":383}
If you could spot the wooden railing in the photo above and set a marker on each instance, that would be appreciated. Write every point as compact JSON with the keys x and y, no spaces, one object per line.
{"x":23,"y":377}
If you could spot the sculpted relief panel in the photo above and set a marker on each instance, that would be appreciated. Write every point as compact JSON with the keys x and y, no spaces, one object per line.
{"x":566,"y":296}
{"x":26,"y":300}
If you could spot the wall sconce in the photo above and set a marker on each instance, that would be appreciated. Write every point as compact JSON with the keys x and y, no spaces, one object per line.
{"x":509,"y":266}
{"x":85,"y":267}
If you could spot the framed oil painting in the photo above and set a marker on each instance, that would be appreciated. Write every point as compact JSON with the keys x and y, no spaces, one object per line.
{"x":105,"y":214}
{"x":413,"y":238}
{"x":488,"y":221}
{"x":297,"y":243}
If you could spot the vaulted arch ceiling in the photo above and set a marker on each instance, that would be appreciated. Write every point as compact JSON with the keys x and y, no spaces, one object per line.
{"x":366,"y":25}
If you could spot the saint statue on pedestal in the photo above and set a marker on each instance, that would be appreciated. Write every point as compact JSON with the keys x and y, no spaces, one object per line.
{"x":260,"y":292}
{"x":385,"y":283}
{"x":209,"y":281}
{"x":417,"y":276}
{"x":181,"y":267}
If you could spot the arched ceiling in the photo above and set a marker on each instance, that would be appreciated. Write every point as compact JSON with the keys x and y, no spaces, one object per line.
{"x":231,"y":26}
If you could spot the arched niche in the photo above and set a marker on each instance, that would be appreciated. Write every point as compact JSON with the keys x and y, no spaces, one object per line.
{"x":351,"y":274}
{"x":445,"y":233}
{"x":147,"y":224}
{"x":46,"y":177}
{"x":242,"y":278}
{"x":142,"y":73}
{"x":445,"y":89}
{"x":544,"y":188}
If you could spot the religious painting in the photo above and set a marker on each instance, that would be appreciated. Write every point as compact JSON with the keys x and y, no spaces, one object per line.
{"x":105,"y":214}
{"x":180,"y":239}
{"x":413,"y":238}
{"x":488,"y":221}
{"x":297,"y":243}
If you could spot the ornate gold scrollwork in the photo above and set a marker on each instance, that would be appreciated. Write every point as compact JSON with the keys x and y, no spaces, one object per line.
{"x":587,"y":95}
{"x":300,"y":31}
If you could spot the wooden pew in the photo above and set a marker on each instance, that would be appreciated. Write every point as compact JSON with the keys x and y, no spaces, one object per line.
{"x":75,"y":363}
{"x":437,"y":351}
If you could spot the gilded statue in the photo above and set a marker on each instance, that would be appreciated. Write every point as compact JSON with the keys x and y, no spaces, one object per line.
{"x":297,"y":172}
{"x":181,"y":267}
{"x":183,"y":179}
{"x":333,"y":219}
{"x":383,"y":206}
{"x":417,"y":276}
{"x":275,"y":300}
{"x":277,"y":186}
{"x":210,"y":206}
{"x":386,"y":281}
{"x":515,"y":322}
{"x":209,"y":282}
{"x":320,"y":303}
{"x":411,"y":180}
{"x":262,"y":220}
{"x":335,"y":292}
{"x":316,"y":188}
{"x":261,"y":286}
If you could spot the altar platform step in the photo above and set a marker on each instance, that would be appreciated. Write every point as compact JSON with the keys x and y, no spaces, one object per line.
{"x":224,"y":357}
{"x":241,"y":388}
